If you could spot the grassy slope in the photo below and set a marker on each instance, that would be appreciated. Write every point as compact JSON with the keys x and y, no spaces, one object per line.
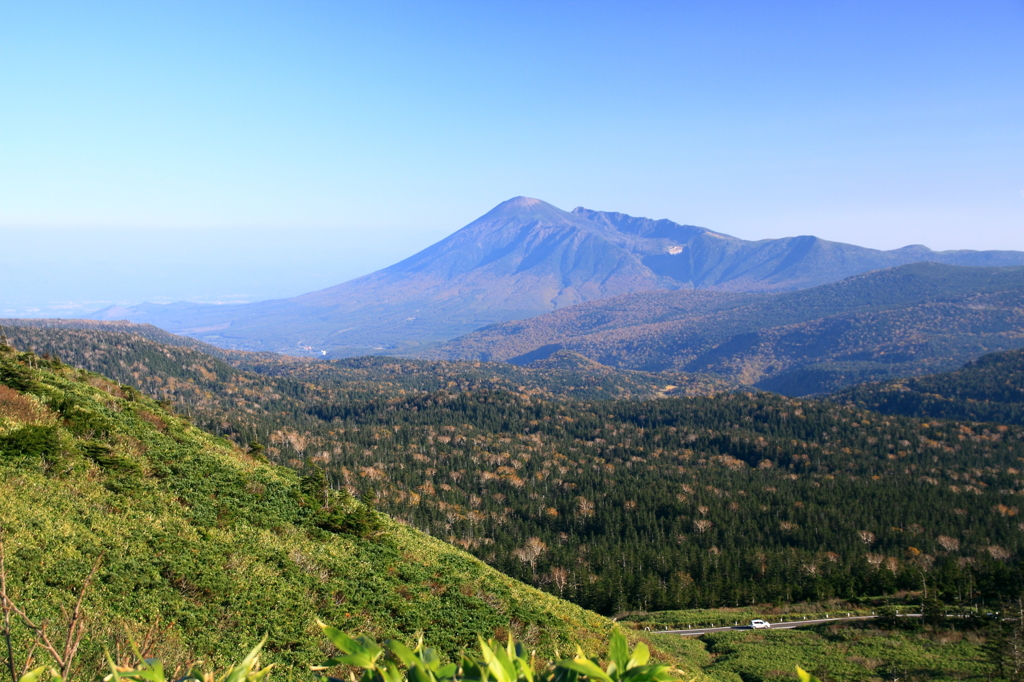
{"x":214,"y":546}
{"x":848,"y":653}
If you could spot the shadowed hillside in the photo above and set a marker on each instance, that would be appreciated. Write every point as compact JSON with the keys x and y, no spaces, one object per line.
{"x":990,"y":389}
{"x":905,"y":321}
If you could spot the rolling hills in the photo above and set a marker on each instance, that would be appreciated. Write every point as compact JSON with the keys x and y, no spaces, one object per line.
{"x":185,"y":370}
{"x":524,"y":258}
{"x":910,"y":320}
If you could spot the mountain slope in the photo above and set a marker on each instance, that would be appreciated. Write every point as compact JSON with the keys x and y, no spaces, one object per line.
{"x":989,"y":389}
{"x":211,"y":547}
{"x":909,"y":320}
{"x":524,"y":258}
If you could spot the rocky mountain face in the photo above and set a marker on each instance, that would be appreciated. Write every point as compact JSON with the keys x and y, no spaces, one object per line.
{"x":525,"y":258}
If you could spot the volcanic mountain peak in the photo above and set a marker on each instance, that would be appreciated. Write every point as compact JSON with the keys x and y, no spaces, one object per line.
{"x":523,"y":258}
{"x":521,"y":203}
{"x":520,"y":210}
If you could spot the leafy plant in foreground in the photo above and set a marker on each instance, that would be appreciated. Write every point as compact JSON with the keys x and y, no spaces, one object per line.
{"x":510,"y":663}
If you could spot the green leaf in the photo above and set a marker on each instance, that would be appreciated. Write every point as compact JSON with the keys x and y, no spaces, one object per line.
{"x":648,"y":673}
{"x":805,"y":676}
{"x":340,"y":639}
{"x":261,"y":675}
{"x":429,"y":658}
{"x":641,"y":654}
{"x":114,"y":675}
{"x":402,"y":652}
{"x":359,"y":660}
{"x":502,"y":671}
{"x":390,"y":672}
{"x":618,"y":653}
{"x":419,"y":674}
{"x":473,"y":669}
{"x":34,"y":675}
{"x":584,"y":665}
{"x":565,"y":675}
{"x":242,"y":671}
{"x":446,"y":672}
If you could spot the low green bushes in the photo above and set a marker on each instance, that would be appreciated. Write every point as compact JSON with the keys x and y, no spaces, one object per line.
{"x":395,"y":662}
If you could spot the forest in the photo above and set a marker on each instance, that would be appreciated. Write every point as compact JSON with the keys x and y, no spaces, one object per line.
{"x":989,"y":389}
{"x":724,"y":500}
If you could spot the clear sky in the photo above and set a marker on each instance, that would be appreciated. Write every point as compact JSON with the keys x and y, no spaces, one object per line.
{"x":375,"y":128}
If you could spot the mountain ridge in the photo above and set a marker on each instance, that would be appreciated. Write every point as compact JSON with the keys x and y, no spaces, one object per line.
{"x":917,"y":318}
{"x":989,"y":389}
{"x":523,"y":258}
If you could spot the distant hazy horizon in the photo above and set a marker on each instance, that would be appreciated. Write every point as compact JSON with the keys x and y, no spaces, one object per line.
{"x":74,"y":272}
{"x":384,"y":126}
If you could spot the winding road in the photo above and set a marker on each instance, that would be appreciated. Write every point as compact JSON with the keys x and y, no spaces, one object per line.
{"x":775,"y":626}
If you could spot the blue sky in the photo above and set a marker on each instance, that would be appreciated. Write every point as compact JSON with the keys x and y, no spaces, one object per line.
{"x":293,"y":145}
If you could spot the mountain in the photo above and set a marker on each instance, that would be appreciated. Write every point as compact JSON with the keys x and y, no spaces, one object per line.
{"x":524,"y":258}
{"x":207,"y":546}
{"x":989,"y":389}
{"x":914,"y":319}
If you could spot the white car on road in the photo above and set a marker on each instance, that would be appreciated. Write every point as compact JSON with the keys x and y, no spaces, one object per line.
{"x":759,"y":624}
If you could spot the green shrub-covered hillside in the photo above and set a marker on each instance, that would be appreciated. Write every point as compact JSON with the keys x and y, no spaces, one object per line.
{"x":203,"y":547}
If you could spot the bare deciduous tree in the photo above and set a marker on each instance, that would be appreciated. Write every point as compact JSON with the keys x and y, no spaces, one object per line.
{"x":999,"y":553}
{"x":560,"y":577}
{"x":530,"y":552}
{"x":63,"y":657}
{"x":584,"y":507}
